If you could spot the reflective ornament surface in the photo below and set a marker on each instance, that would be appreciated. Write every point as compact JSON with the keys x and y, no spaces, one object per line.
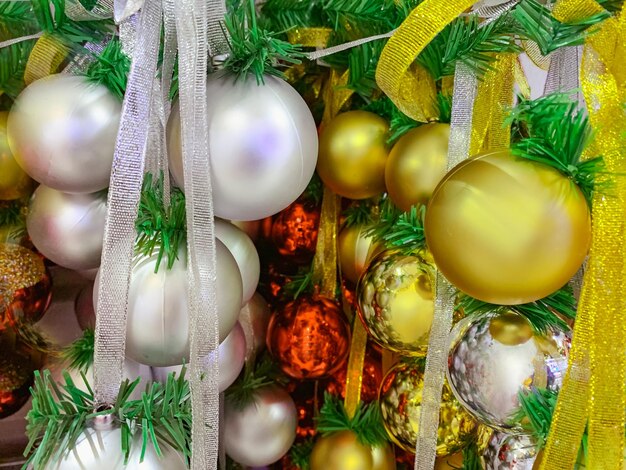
{"x":83,"y":308}
{"x":254,"y":318}
{"x":509,"y":452}
{"x":68,"y":228}
{"x":263,"y":431}
{"x":303,"y":393}
{"x":401,"y":402}
{"x":506,"y":230}
{"x":157,"y":331}
{"x":343,"y":451}
{"x":294,"y":231}
{"x":14,"y":182}
{"x":62,"y":131}
{"x":263,"y":145}
{"x":495,"y":357}
{"x":353,"y":153}
{"x":231,"y":357}
{"x":371,"y":378}
{"x":309,"y":337}
{"x":416,"y":164}
{"x":244,"y":252}
{"x":355,"y":251}
{"x":396,"y":301}
{"x":16,"y":377}
{"x":102,"y":450}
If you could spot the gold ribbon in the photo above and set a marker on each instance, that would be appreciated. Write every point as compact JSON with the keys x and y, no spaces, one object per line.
{"x":593,"y":389}
{"x":309,"y":37}
{"x":408,"y":85}
{"x":46,"y":57}
{"x":520,"y":79}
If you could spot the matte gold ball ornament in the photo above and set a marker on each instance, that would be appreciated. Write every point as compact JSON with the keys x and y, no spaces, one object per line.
{"x":355,"y":250}
{"x":353,"y":153}
{"x":416,"y":164}
{"x":506,"y":230}
{"x":14,"y":182}
{"x":343,"y":451}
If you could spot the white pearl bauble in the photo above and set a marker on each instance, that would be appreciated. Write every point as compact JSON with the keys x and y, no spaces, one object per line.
{"x":67,"y":228}
{"x":83,"y":308}
{"x":231,"y":357}
{"x":254,"y":318}
{"x":62,"y":131}
{"x":263,"y":145}
{"x":263,"y":431}
{"x":245,"y":254}
{"x":102,"y":450}
{"x":157,"y":328}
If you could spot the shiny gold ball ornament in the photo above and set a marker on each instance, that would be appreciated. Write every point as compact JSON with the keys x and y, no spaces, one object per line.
{"x":396,"y":302}
{"x":353,"y":153}
{"x":495,"y":357}
{"x":356,"y":250}
{"x":401,"y":402}
{"x":14,"y":182}
{"x":507,"y":230}
{"x":343,"y":451}
{"x":416,"y":164}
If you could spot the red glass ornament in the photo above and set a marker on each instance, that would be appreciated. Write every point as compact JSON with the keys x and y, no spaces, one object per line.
{"x":16,"y":378}
{"x":30,"y":303}
{"x":294,"y":231}
{"x":372,"y":377}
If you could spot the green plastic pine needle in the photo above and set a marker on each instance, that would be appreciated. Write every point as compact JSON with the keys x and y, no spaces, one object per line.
{"x":359,"y":213}
{"x":255,"y":376}
{"x":79,"y":354}
{"x":300,"y":283}
{"x":535,"y":414}
{"x":397,"y":229}
{"x":471,"y":457}
{"x":111,"y":68}
{"x":11,"y":213}
{"x":300,"y":454}
{"x":399,"y":123}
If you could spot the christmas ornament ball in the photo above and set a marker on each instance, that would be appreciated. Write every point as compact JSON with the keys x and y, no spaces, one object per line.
{"x":309,"y":337}
{"x":494,"y":357}
{"x":401,"y":402}
{"x":353,"y":153}
{"x":254,"y":318}
{"x":68,"y":229}
{"x":507,"y":230}
{"x":263,"y":430}
{"x":14,"y":182}
{"x":396,"y":301}
{"x":263,"y":145}
{"x":16,"y":378}
{"x":372,"y":377}
{"x":502,"y":451}
{"x":294,"y":231}
{"x":99,"y":447}
{"x":157,"y":332}
{"x":355,"y":251}
{"x":416,"y":164}
{"x":62,"y":131}
{"x":242,"y":248}
{"x":83,"y":308}
{"x":342,"y":450}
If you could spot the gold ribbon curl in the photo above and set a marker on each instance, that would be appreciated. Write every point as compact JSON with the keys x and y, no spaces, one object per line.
{"x":46,"y":57}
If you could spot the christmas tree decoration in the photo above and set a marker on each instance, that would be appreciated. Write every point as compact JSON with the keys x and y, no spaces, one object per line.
{"x":416,"y":164}
{"x":244,"y":252}
{"x":16,"y":378}
{"x":254,"y":318}
{"x":401,"y":402}
{"x":25,"y":285}
{"x":231,"y":357}
{"x":67,"y":228}
{"x":307,"y":398}
{"x":371,"y":378}
{"x":262,"y":430}
{"x":353,"y":153}
{"x":294,"y":231}
{"x":494,"y":357}
{"x":62,"y":132}
{"x":356,"y":249}
{"x":13,"y":222}
{"x":395,"y":298}
{"x":14,"y":182}
{"x":509,"y":452}
{"x":309,"y":337}
{"x":83,"y":308}
{"x":263,"y":145}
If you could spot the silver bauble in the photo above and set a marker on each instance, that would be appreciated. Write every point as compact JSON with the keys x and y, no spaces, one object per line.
{"x":508,"y":452}
{"x":97,"y":449}
{"x":83,"y":308}
{"x":494,"y":357}
{"x":254,"y":318}
{"x":251,"y":227}
{"x":157,"y":328}
{"x":62,"y":131}
{"x":263,"y":145}
{"x":263,"y":431}
{"x":231,"y":357}
{"x":67,"y":228}
{"x":244,"y":252}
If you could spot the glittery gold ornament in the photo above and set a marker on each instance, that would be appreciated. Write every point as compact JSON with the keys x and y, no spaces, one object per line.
{"x":355,"y":251}
{"x":395,"y":299}
{"x":416,"y":164}
{"x":506,"y":230}
{"x":14,"y":182}
{"x":401,"y":401}
{"x":353,"y":153}
{"x":343,"y":451}
{"x":495,"y":357}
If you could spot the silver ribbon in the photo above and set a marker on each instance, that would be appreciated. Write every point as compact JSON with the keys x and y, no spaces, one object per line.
{"x":465,"y":86}
{"x":13,"y":41}
{"x":76,"y":11}
{"x":123,"y":202}
{"x":192,"y":17}
{"x":125,"y":9}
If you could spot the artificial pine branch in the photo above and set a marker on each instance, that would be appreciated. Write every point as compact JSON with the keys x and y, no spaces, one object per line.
{"x":13,"y":61}
{"x":314,"y":190}
{"x":358,"y":214}
{"x":16,"y":19}
{"x":537,"y":406}
{"x":471,"y":457}
{"x":300,"y":454}
{"x":353,"y":19}
{"x":79,"y":354}
{"x":255,"y":376}
{"x":300,"y":283}
{"x":362,"y":63}
{"x":11,"y":213}
{"x":399,"y":123}
{"x":397,"y":229}
{"x":612,"y":6}
{"x":111,"y":68}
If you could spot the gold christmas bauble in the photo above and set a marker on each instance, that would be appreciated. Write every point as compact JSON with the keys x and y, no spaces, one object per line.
{"x":416,"y":164}
{"x":506,"y":230}
{"x":352,"y":154}
{"x":14,"y":182}
{"x":355,"y":251}
{"x":342,"y":451}
{"x":401,"y":402}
